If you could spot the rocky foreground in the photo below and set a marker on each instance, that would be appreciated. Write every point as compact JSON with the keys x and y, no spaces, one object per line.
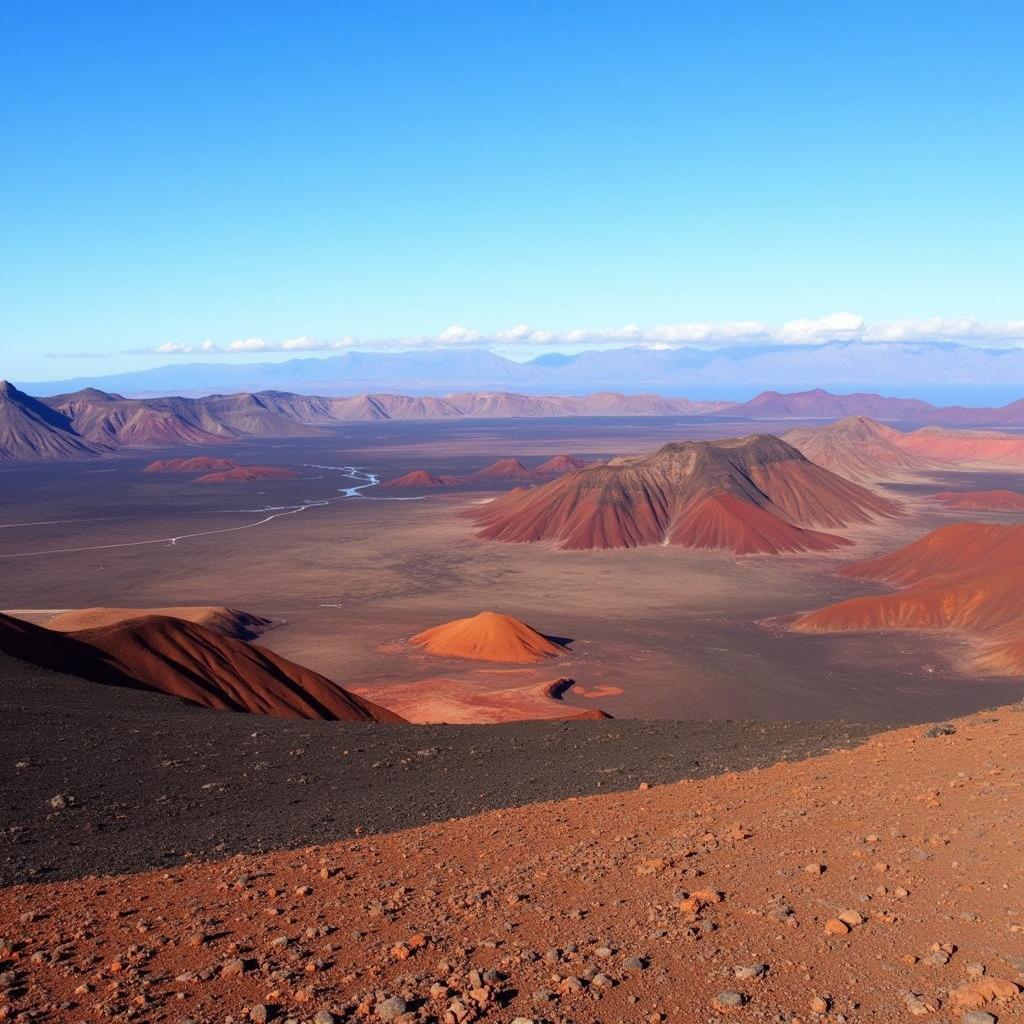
{"x":875,"y":884}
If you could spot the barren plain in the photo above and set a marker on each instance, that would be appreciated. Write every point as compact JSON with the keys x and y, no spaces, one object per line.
{"x":656,"y":632}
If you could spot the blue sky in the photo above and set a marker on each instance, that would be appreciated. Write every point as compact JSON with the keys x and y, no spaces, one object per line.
{"x":183,"y":173}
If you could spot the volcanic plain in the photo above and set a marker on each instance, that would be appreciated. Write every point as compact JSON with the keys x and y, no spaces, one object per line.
{"x":350,"y":573}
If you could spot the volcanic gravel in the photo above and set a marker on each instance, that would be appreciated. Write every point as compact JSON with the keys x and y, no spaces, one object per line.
{"x":96,"y":779}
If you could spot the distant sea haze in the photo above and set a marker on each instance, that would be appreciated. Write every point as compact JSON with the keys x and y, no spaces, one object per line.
{"x":943,"y":373}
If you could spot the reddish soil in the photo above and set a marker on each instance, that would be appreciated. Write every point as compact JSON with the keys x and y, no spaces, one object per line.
{"x":963,"y":577}
{"x":797,"y":893}
{"x":488,"y":636}
{"x":197,"y":464}
{"x":186,"y":660}
{"x":245,"y":473}
{"x":982,"y":501}
{"x":750,"y":495}
{"x":483,"y":698}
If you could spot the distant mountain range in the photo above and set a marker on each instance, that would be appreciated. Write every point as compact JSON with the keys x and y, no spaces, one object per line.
{"x":938,"y":371}
{"x":93,"y":422}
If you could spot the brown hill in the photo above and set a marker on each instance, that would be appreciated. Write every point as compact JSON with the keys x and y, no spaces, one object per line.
{"x":422,"y":478}
{"x":861,"y":448}
{"x":505,"y":469}
{"x":488,"y":636}
{"x":30,"y":429}
{"x":966,"y":577}
{"x":982,"y":501}
{"x":748,"y":495}
{"x":186,"y":660}
{"x":858,"y":448}
{"x":226,"y":621}
{"x":198,"y":464}
{"x":244,"y":473}
{"x":117,"y":422}
{"x":558,"y":465}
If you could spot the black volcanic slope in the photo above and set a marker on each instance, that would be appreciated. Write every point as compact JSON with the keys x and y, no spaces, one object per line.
{"x":96,"y":779}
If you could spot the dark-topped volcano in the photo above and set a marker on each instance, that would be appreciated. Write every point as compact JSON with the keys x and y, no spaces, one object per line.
{"x":750,"y":495}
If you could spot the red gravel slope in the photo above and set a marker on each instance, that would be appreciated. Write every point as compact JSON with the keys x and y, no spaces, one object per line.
{"x":873,"y":885}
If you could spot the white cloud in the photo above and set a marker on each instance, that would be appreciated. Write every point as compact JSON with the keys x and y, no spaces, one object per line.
{"x":825,"y":328}
{"x":704,"y":333}
{"x":458,"y":335}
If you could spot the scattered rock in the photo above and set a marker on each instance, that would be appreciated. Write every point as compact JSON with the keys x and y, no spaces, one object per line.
{"x":918,"y":1005}
{"x":747,"y":971}
{"x":984,"y":990}
{"x":234,"y":968}
{"x":391,"y":1008}
{"x":730,"y":1000}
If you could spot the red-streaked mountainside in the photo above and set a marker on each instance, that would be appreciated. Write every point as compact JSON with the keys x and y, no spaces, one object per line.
{"x":488,"y":636}
{"x":858,"y":448}
{"x":966,"y":577}
{"x":982,"y":501}
{"x":186,"y":660}
{"x":199,"y":464}
{"x":748,"y":495}
{"x":30,"y":429}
